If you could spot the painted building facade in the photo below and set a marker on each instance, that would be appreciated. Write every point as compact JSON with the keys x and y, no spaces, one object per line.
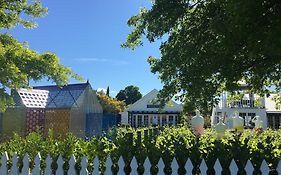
{"x":145,"y":112}
{"x":249,"y":106}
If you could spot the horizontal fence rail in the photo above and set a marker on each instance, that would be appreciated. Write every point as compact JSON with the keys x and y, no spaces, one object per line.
{"x":36,"y":170}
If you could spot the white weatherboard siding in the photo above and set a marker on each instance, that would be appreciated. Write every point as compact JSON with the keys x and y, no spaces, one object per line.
{"x":141,"y":104}
{"x":145,"y":112}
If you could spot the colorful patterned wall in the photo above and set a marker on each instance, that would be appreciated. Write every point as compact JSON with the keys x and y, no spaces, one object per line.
{"x":14,"y":121}
{"x":35,"y":120}
{"x":58,"y":121}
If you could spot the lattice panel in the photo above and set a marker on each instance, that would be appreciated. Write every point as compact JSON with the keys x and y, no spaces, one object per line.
{"x":35,"y":120}
{"x":58,"y":120}
{"x":34,"y":98}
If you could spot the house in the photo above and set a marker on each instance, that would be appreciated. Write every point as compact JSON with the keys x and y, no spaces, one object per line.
{"x":63,"y":109}
{"x":146,"y":112}
{"x":249,"y":106}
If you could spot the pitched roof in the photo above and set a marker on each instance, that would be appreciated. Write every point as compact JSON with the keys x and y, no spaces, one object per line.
{"x":146,"y":103}
{"x":63,"y":97}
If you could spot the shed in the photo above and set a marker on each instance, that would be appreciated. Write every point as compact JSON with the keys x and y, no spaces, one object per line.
{"x":62,"y":109}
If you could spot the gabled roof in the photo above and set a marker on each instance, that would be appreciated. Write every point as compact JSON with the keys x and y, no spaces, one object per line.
{"x":147,"y":103}
{"x":63,"y":97}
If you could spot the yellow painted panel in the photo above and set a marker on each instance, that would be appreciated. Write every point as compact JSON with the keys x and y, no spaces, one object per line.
{"x":58,"y":121}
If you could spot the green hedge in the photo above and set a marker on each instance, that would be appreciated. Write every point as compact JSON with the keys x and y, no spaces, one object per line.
{"x":155,"y":143}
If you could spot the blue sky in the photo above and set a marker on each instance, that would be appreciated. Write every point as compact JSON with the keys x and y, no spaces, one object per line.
{"x":86,"y":35}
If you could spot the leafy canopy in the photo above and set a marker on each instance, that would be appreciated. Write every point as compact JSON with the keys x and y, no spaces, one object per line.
{"x":130,"y":94}
{"x":211,"y":45}
{"x":19,"y":64}
{"x":109,"y":104}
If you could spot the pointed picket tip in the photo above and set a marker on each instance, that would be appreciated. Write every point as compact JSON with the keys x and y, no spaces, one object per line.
{"x":134,"y":166}
{"x":174,"y":166}
{"x":4,"y":157}
{"x":14,"y":168}
{"x":121,"y":160}
{"x":36,"y":170}
{"x":84,"y":166}
{"x":121,"y":165}
{"x":264,"y":168}
{"x":60,"y":162}
{"x":161,"y":166}
{"x":96,"y":166}
{"x":218,"y":167}
{"x":203,"y":167}
{"x":15,"y":158}
{"x":26,"y":158}
{"x":72,"y":162}
{"x":108,"y":165}
{"x":72,"y":159}
{"x":233,"y":168}
{"x":249,"y":167}
{"x":37,"y":159}
{"x":48,"y":168}
{"x":147,"y":166}
{"x":188,"y":167}
{"x":25,"y":169}
{"x":278,"y":169}
{"x":84,"y":161}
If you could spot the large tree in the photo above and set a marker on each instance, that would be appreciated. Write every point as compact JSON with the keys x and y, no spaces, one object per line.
{"x":130,"y":94}
{"x":210,"y":45}
{"x":18,"y":63}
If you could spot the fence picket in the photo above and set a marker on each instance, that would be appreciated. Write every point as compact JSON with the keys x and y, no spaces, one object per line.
{"x":203,"y":167}
{"x":278,"y":169}
{"x":96,"y":166}
{"x":60,"y":166}
{"x":3,"y":168}
{"x":121,"y":165}
{"x":161,"y":166}
{"x":249,"y":168}
{"x":233,"y":168}
{"x":134,"y":166}
{"x":14,"y":168}
{"x":25,"y":169}
{"x":147,"y":166}
{"x":84,"y":166}
{"x":108,"y":165}
{"x":174,"y":166}
{"x":188,"y":167}
{"x":36,"y":170}
{"x":72,"y":162}
{"x":264,"y":168}
{"x":48,"y":168}
{"x":217,"y":167}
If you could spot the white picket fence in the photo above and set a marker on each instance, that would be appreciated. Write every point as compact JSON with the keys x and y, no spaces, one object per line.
{"x":14,"y":170}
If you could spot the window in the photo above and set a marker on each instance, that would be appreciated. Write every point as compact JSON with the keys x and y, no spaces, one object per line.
{"x":243,"y":115}
{"x":250,"y":118}
{"x":176,"y":119}
{"x":164,"y":120}
{"x":146,"y":120}
{"x":274,"y":120}
{"x":139,"y":120}
{"x":158,"y":120}
{"x":171,"y":119}
{"x":134,"y":121}
{"x":218,"y":115}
